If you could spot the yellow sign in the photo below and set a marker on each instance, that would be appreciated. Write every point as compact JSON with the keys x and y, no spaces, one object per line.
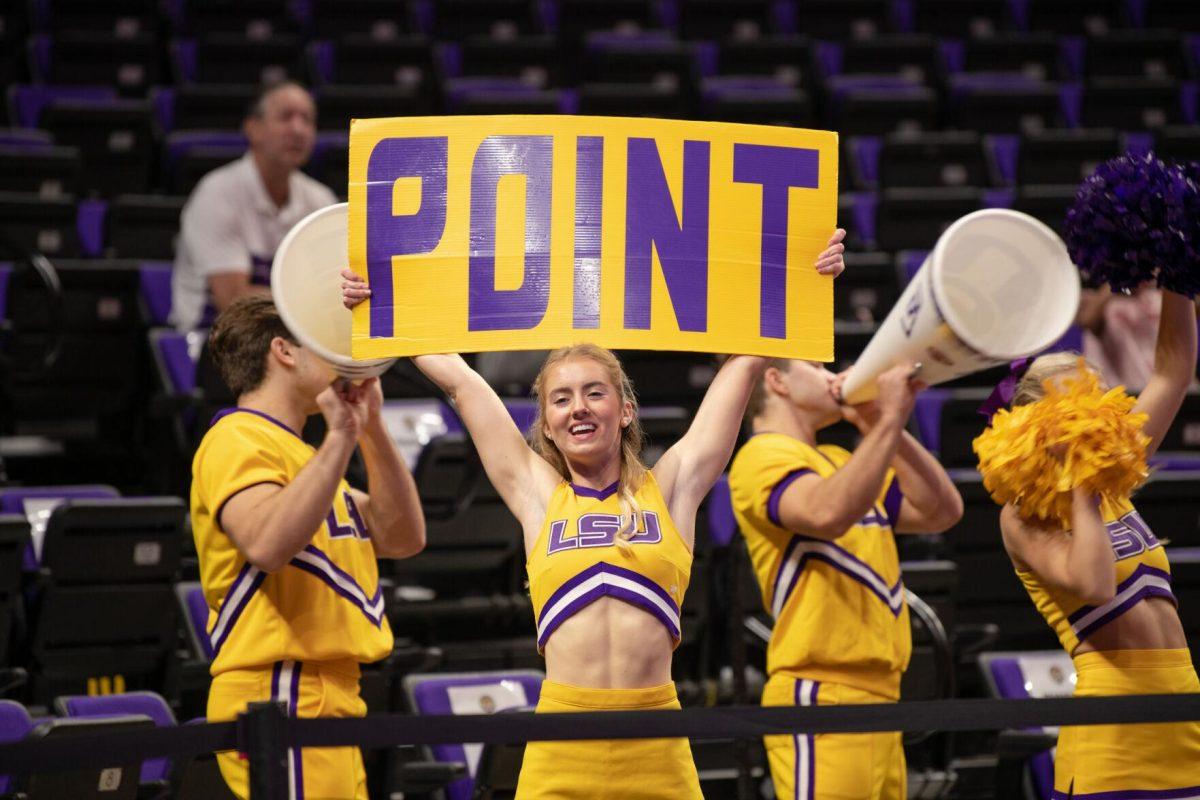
{"x":529,"y":232}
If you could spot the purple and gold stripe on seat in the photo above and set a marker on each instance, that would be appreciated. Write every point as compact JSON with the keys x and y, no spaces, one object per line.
{"x":314,"y":562}
{"x":1184,"y":793}
{"x":1143,"y":582}
{"x":236,"y":599}
{"x":802,"y":549}
{"x":606,"y":580}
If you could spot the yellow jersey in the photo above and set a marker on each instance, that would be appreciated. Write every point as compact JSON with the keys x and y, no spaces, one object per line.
{"x":839,"y":608}
{"x":1141,"y":569}
{"x":325,"y":604}
{"x":577,"y":560}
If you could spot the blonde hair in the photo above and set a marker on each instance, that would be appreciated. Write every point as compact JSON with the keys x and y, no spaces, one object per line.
{"x":633,"y":471}
{"x":1031,"y":387}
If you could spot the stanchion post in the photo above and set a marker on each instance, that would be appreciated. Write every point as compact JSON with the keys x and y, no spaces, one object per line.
{"x":262,"y":730}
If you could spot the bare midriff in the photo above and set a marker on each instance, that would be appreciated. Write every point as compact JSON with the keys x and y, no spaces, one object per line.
{"x":610,"y":644}
{"x":1152,"y":624}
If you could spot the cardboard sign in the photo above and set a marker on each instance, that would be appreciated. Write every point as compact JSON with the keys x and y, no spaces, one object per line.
{"x":530,"y":232}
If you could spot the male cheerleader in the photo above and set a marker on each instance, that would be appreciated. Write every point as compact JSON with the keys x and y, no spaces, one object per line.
{"x":819,"y":523}
{"x":287,"y":549}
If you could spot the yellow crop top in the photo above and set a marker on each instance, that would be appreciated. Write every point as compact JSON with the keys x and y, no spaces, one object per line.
{"x":577,"y":560}
{"x":1142,"y":571}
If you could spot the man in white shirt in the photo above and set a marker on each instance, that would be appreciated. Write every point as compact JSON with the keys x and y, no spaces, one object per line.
{"x":239,"y":213}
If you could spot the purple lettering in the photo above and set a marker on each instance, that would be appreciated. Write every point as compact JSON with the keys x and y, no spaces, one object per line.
{"x":355,"y":527}
{"x":356,"y":517}
{"x":598,"y":530}
{"x":389,"y":235}
{"x":778,"y":169}
{"x":490,"y":309}
{"x":651,"y":531}
{"x":589,"y":181}
{"x":557,"y":543}
{"x":651,"y":226}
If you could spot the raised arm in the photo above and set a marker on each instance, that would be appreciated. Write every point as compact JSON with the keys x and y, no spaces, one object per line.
{"x":688,"y":470}
{"x":1174,"y":365}
{"x":522,"y":477}
{"x":1079,"y":561}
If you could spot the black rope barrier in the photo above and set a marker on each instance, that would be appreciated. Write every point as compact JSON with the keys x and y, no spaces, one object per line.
{"x":731,"y":722}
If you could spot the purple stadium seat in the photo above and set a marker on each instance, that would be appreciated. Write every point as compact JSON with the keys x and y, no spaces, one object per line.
{"x":1036,"y":56}
{"x":783,"y":58}
{"x":722,"y":525}
{"x":15,"y":725}
{"x":721,"y":19}
{"x":470,"y":693}
{"x":941,"y":158}
{"x":979,"y":18}
{"x":150,"y":704}
{"x":1145,"y":54}
{"x":754,"y":99}
{"x":189,"y":155}
{"x":535,"y":61}
{"x":155,"y":285}
{"x":1022,"y":675}
{"x":574,"y":19}
{"x":928,"y":413}
{"x":36,"y":502}
{"x":90,"y":225}
{"x":130,"y":63}
{"x":880,"y":104}
{"x":337,"y":104}
{"x":26,"y":103}
{"x":1004,"y":103}
{"x":379,"y":19}
{"x":1133,"y":104}
{"x":499,"y":96}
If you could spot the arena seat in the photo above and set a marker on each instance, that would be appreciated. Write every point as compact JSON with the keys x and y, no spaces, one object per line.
{"x":875,"y":105}
{"x":1064,"y":156}
{"x":46,"y":171}
{"x":380,"y":20}
{"x":722,"y":19}
{"x":105,"y":617}
{"x":500,"y":19}
{"x":14,"y":548}
{"x":128,"y":62}
{"x":15,"y":725}
{"x":360,"y":59}
{"x":1047,"y":203}
{"x":1132,"y":104}
{"x":476,"y":693}
{"x":1136,"y":53}
{"x":236,"y":58}
{"x":193,"y":610}
{"x":122,"y":17}
{"x":633,"y":100}
{"x":1004,"y":103}
{"x":1094,"y":17}
{"x":189,"y":155}
{"x":1170,"y":504}
{"x":117,"y":782}
{"x":199,"y":106}
{"x":337,"y":104}
{"x":1033,"y":56}
{"x":116,"y":139}
{"x":915,"y":218}
{"x":258,"y":19}
{"x":1184,"y":433}
{"x":143,"y":703}
{"x":534,"y":61}
{"x":1020,"y":675}
{"x":574,"y":19}
{"x":914,"y":57}
{"x":142,"y":226}
{"x":35,"y":503}
{"x":41,"y":224}
{"x":844,"y":19}
{"x":933,"y":159}
{"x":869,"y":290}
{"x":954,"y":18}
{"x":784,"y":58}
{"x":754,"y":101}
{"x":642,"y":59}
{"x":1179,"y":142}
{"x":1177,"y":15}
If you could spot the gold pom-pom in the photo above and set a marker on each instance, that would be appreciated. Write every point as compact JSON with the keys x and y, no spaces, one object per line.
{"x":1077,"y":436}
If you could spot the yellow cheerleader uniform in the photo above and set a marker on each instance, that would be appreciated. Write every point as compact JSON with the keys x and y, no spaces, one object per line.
{"x":841,"y":632}
{"x":296,"y":635}
{"x":1122,"y":762}
{"x":576,"y":561}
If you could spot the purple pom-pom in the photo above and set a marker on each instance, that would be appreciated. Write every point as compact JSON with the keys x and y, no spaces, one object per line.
{"x":1135,"y":220}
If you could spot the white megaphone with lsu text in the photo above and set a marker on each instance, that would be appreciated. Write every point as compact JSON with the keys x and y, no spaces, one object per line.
{"x":998,"y":285}
{"x":306,"y":283}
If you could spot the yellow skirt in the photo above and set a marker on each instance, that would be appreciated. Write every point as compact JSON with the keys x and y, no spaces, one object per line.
{"x":625,"y":769}
{"x":1128,"y":762}
{"x":832,"y":766}
{"x":310,"y":689}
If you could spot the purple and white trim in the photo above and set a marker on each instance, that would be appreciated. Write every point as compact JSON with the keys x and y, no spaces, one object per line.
{"x":596,"y":494}
{"x":236,"y":599}
{"x":285,"y":688}
{"x":806,"y":752}
{"x":314,"y":562}
{"x":803,"y":549}
{"x":1185,"y":793}
{"x":603,"y":580}
{"x":1143,"y":582}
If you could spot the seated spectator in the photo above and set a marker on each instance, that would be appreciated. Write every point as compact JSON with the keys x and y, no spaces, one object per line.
{"x":239,"y":213}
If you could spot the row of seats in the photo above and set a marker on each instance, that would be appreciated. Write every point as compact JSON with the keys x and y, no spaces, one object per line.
{"x":692,"y":18}
{"x":134,"y":66}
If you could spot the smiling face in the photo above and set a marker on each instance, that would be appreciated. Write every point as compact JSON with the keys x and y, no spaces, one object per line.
{"x":583,"y":412}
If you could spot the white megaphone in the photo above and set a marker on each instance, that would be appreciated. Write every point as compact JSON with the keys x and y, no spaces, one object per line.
{"x":306,"y":283}
{"x":997,"y":286}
